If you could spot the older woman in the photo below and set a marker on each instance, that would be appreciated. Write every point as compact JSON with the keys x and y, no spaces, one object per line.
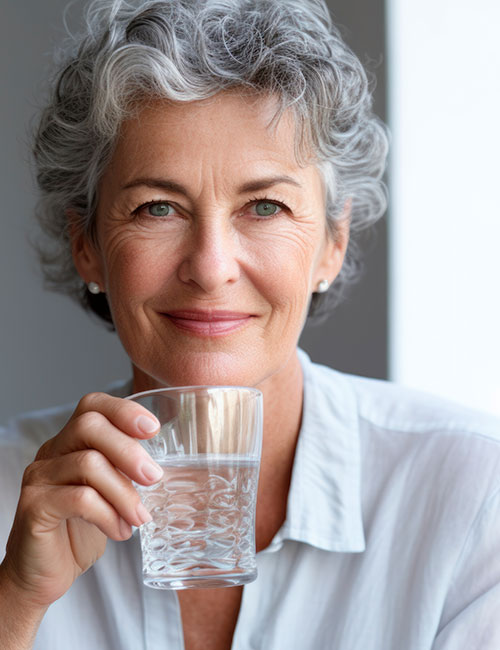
{"x":201,"y":165}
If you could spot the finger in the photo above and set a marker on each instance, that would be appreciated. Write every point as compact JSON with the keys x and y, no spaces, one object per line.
{"x":92,"y":430}
{"x":44,"y":508}
{"x":126,"y":415}
{"x":90,"y":467}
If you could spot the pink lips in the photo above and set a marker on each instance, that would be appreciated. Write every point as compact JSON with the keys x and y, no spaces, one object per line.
{"x":208,"y":323}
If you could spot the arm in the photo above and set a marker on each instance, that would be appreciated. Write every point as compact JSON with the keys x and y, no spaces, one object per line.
{"x":76,"y":494}
{"x":19,"y":620}
{"x":471,"y":614}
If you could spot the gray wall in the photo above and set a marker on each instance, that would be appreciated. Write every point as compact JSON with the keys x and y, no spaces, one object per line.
{"x":51,"y":351}
{"x":354,"y":338}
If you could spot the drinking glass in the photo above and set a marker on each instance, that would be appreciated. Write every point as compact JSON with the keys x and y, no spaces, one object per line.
{"x":203,"y":528}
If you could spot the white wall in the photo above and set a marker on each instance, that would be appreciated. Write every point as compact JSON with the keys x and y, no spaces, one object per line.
{"x":444,"y":103}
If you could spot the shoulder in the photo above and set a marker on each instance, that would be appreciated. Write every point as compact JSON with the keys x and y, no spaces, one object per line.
{"x":386,"y":405}
{"x":394,"y":407}
{"x":418,"y":452}
{"x":433,"y":441}
{"x":402,"y":430}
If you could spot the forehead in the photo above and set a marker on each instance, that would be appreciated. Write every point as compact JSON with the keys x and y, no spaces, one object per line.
{"x":231,"y":127}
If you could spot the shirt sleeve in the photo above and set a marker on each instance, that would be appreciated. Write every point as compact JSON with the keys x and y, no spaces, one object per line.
{"x":471,"y":613}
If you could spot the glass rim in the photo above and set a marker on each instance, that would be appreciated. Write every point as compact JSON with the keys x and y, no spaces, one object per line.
{"x":186,"y":389}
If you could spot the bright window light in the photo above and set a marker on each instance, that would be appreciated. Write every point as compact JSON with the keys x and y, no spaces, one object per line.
{"x":444,"y":81}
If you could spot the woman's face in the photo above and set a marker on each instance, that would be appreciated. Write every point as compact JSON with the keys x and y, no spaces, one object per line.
{"x":211,"y":239}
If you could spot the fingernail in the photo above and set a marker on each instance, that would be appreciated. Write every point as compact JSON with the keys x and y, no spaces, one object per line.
{"x":151,"y":471}
{"x":147,"y":424}
{"x":125,"y":529}
{"x":143,"y":514}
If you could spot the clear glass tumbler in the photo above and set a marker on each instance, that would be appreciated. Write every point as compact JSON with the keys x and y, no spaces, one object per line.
{"x":203,"y":528}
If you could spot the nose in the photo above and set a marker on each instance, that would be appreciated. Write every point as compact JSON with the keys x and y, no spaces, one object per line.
{"x":211,"y":254}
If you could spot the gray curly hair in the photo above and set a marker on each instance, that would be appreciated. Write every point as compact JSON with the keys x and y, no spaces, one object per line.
{"x":186,"y":50}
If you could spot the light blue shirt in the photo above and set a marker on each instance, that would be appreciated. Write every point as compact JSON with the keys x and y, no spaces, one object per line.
{"x":391,"y":541}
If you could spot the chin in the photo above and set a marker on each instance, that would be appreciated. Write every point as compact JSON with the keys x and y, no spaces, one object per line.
{"x":201,"y":369}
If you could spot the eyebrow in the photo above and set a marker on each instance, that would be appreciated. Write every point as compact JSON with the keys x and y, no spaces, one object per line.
{"x":265,"y":183}
{"x":250,"y":186}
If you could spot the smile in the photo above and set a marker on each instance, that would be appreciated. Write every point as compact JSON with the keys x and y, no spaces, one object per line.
{"x":208,"y":323}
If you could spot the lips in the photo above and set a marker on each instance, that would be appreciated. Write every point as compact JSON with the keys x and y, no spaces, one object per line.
{"x":208,"y":323}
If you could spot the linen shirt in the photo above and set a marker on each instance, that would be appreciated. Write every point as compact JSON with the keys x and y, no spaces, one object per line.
{"x":391,"y":539}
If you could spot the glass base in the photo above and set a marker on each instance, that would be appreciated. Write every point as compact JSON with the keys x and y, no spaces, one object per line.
{"x":199,"y":581}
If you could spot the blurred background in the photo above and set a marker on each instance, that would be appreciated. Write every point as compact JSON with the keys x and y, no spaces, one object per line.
{"x":425,"y":313}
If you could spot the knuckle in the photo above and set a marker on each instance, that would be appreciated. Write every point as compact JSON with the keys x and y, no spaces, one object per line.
{"x":83,"y":497}
{"x":90,"y":420}
{"x":31,"y":473}
{"x":89,"y":401}
{"x":29,"y":502}
{"x":90,"y":461}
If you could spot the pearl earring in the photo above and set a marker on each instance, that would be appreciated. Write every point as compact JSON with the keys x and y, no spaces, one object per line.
{"x":94,"y":288}
{"x":323,"y":286}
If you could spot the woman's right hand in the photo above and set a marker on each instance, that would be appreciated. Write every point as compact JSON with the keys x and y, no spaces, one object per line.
{"x":76,"y":494}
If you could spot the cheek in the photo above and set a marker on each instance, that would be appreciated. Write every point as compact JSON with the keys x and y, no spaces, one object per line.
{"x":284,"y":264}
{"x":137,"y":268}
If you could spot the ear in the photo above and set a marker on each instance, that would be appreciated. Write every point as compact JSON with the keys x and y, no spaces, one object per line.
{"x":86,"y":256}
{"x":334,"y":249}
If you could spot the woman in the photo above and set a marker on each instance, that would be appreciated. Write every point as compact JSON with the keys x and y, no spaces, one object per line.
{"x":202,"y":166}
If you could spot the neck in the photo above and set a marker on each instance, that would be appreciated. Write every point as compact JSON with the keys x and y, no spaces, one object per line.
{"x":283,"y":404}
{"x":282,"y":418}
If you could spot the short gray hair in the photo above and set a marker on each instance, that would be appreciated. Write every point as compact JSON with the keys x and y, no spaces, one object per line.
{"x":185,"y":50}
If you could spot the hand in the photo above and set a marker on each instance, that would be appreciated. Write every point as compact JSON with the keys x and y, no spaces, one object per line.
{"x":76,"y":494}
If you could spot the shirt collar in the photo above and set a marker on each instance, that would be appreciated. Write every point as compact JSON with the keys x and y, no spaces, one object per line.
{"x":324,"y":501}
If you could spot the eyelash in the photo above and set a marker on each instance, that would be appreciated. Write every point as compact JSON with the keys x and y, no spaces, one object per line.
{"x":252,"y":202}
{"x":264,"y":199}
{"x":147,"y":204}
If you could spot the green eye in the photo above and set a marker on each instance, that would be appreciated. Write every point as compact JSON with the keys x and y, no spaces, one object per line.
{"x":159,"y":209}
{"x":266,"y":209}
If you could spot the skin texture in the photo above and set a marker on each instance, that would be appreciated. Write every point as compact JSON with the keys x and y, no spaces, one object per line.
{"x":203,"y":289}
{"x":213,"y":252}
{"x":76,"y":494}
